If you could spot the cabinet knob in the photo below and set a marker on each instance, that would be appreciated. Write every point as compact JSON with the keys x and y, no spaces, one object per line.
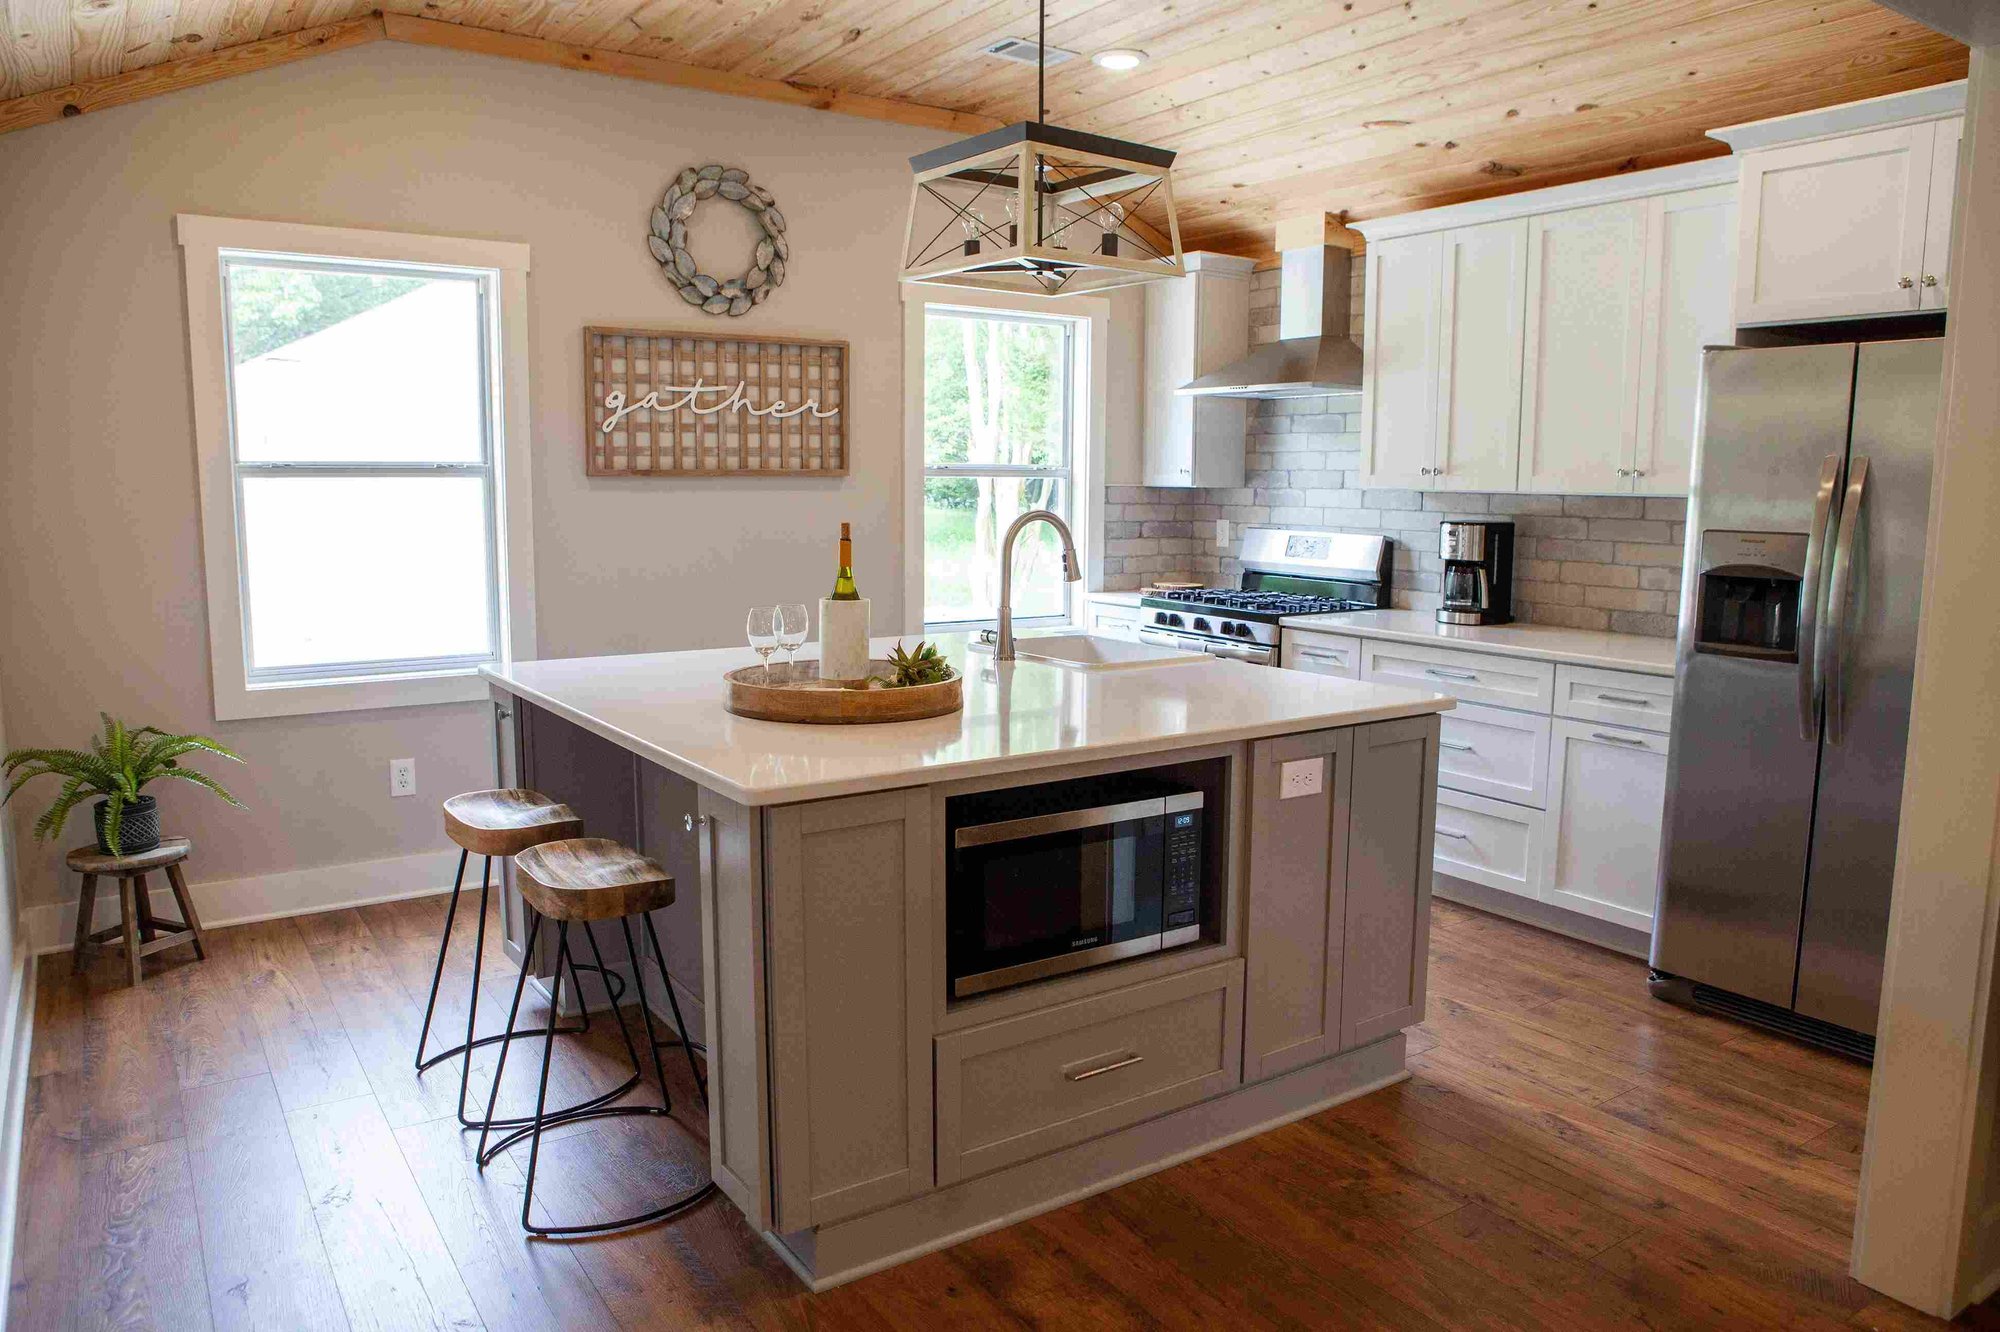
{"x":1638,"y":471}
{"x":1930,"y":280}
{"x":1905,"y":283}
{"x":693,"y":821}
{"x":1624,"y":471}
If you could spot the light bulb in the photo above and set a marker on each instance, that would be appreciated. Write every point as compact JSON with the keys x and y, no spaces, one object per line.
{"x":1119,"y":59}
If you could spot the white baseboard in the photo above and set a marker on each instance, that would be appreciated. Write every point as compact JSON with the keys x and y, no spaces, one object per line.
{"x":50,"y":928}
{"x":17,"y":1030}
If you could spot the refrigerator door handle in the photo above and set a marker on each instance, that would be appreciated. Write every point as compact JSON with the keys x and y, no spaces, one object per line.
{"x":1840,"y":600}
{"x":1816,"y":539}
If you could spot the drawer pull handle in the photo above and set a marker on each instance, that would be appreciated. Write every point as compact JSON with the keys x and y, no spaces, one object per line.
{"x":1450,"y":832}
{"x":1318,"y":654}
{"x":1627,"y":698}
{"x":1453,"y":744}
{"x":1082,"y":1074}
{"x":1617,"y":739}
{"x":1443,"y":674}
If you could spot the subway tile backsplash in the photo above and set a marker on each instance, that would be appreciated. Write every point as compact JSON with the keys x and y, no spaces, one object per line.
{"x":1582,"y":561}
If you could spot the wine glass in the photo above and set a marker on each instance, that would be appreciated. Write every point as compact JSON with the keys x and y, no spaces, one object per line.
{"x":793,"y":626}
{"x":762,"y":629}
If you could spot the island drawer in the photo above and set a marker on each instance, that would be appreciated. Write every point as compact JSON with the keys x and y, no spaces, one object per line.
{"x":1619,"y":698}
{"x":1322,"y":654}
{"x":1495,"y":752}
{"x":1476,"y":677}
{"x":1027,"y":1085}
{"x":1489,"y":842}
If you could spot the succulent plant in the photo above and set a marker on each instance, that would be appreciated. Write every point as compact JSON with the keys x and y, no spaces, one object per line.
{"x":924,"y":666}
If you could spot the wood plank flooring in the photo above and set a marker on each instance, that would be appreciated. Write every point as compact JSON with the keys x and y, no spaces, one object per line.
{"x":242,"y":1144}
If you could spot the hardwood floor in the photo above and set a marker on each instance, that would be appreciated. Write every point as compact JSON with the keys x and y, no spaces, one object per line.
{"x":242,"y":1144}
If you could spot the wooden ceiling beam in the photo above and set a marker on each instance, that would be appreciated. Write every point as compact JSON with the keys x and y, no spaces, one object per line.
{"x":137,"y":85}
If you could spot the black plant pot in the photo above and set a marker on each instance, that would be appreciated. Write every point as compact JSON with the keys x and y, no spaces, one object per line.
{"x":138,"y":828}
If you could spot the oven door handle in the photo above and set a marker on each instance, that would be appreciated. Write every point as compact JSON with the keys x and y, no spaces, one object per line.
{"x":1162,"y":638}
{"x":1257,"y":656}
{"x":1071,"y":820}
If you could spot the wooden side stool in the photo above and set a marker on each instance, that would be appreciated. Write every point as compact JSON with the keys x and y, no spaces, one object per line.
{"x":584,"y":881}
{"x":139,"y":932}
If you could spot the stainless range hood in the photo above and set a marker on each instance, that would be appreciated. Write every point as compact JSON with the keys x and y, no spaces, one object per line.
{"x":1314,"y":356}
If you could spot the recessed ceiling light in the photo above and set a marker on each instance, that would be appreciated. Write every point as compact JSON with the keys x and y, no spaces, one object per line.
{"x":1119,"y":58}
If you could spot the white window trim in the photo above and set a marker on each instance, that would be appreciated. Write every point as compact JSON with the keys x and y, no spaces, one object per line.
{"x":202,"y":240}
{"x":1086,"y":449}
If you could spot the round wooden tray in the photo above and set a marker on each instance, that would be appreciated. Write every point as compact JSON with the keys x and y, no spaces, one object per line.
{"x":793,"y":692}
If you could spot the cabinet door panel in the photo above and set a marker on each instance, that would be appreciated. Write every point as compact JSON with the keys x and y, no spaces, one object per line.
{"x":1835,"y":228}
{"x":1399,"y":362}
{"x":849,"y":981}
{"x":1935,"y":289}
{"x":1690,"y":283}
{"x":1607,"y":803}
{"x":1391,"y":830}
{"x":1298,"y":893}
{"x":1483,"y":282}
{"x":1490,"y":842}
{"x":1580,"y":398}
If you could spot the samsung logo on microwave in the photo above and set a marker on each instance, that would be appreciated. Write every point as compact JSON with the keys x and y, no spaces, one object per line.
{"x":1084,"y":942}
{"x":1183,"y":820}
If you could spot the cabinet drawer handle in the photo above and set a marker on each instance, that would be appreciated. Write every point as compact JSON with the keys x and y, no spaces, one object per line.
{"x":1450,"y":832}
{"x":1083,"y":1074}
{"x":1617,"y":739}
{"x":1453,"y":744}
{"x":1627,"y":698}
{"x":1444,"y":674}
{"x":1318,"y":654}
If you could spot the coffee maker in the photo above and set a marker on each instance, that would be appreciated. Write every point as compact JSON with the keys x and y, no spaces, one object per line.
{"x":1478,"y":573}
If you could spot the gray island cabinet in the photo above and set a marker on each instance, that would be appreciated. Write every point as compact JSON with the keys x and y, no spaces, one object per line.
{"x":860,"y":1114}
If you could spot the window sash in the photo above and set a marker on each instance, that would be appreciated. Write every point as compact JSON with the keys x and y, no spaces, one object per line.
{"x":1063,"y":471}
{"x":484,"y":281}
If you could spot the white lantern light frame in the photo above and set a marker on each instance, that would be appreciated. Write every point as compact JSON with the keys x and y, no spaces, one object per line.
{"x":1063,"y":186}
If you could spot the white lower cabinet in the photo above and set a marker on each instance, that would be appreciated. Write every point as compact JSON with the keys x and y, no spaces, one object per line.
{"x":1111,"y":619}
{"x":1608,"y":786}
{"x":1322,"y":654}
{"x":1490,"y":842}
{"x":1552,"y":779}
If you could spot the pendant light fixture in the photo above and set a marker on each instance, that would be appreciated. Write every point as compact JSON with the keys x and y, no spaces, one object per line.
{"x":1041,"y":210}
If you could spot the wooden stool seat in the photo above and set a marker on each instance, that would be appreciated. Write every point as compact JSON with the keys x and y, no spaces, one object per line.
{"x":508,"y":821}
{"x":139,"y":933}
{"x":591,"y":878}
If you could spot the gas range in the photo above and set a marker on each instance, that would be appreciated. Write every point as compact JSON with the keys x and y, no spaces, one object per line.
{"x":1284,"y":573}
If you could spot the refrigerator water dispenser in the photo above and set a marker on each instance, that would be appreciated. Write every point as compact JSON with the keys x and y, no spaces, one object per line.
{"x":1748,"y":600}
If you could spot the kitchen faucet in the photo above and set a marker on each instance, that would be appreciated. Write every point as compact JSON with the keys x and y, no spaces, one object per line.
{"x":1003,"y":646}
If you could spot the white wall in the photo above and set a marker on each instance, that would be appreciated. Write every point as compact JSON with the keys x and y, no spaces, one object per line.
{"x":100,"y":576}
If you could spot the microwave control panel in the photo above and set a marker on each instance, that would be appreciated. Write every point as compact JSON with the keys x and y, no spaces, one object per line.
{"x":1183,"y":887}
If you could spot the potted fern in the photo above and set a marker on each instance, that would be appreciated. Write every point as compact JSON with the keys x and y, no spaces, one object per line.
{"x":118,"y":764}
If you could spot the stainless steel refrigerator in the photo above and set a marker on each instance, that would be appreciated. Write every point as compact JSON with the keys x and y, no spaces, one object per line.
{"x":1798,"y":630}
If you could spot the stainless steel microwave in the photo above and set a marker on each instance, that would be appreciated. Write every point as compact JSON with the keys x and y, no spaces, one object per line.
{"x":1034,"y":891}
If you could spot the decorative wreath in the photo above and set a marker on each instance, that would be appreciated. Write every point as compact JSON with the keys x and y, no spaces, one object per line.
{"x":669,"y":240}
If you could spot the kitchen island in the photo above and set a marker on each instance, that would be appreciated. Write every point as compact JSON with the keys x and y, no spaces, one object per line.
{"x":864,"y":1107}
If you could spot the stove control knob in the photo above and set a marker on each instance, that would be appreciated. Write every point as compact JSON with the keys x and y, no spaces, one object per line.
{"x":1200,"y":625}
{"x":1174,"y":620}
{"x":1159,"y":617}
{"x":1242,"y":630}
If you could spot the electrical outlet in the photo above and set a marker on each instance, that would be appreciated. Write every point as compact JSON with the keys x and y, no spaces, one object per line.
{"x":402,"y":777}
{"x":1301,"y":777}
{"x":1222,"y":533}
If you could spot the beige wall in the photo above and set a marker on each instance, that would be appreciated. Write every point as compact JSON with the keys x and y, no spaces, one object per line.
{"x":100,"y":576}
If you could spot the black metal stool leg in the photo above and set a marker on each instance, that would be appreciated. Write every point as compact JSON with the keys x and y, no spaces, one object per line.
{"x":542,"y":1091}
{"x":444,"y":944}
{"x":680,"y":1024}
{"x":513,"y":1012}
{"x":646,"y":1013}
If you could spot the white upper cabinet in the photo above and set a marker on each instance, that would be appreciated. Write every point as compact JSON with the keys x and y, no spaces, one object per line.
{"x":1835,"y":228}
{"x":1933,"y":287}
{"x":1399,"y":352}
{"x":1689,"y":242}
{"x":1195,"y":324}
{"x":1580,"y":378}
{"x":1482,"y":289}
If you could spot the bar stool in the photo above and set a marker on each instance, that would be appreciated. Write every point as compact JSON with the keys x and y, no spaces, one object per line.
{"x":490,"y":824}
{"x":585,"y":880}
{"x":139,"y":933}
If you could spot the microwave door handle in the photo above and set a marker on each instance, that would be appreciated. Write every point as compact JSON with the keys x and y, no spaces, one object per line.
{"x":1835,"y":638}
{"x":1068,"y":820}
{"x":1808,"y":631}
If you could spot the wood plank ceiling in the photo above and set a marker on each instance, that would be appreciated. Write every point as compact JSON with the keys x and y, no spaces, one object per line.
{"x":1277,"y":107}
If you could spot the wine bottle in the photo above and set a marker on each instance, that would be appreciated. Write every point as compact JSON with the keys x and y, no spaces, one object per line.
{"x":843,"y":578}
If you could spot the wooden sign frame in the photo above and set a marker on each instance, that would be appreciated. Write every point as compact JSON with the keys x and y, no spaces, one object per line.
{"x":776,"y":406}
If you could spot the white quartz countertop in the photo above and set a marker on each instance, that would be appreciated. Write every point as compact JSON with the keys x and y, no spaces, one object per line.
{"x":1545,"y":642}
{"x":1018,"y":716}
